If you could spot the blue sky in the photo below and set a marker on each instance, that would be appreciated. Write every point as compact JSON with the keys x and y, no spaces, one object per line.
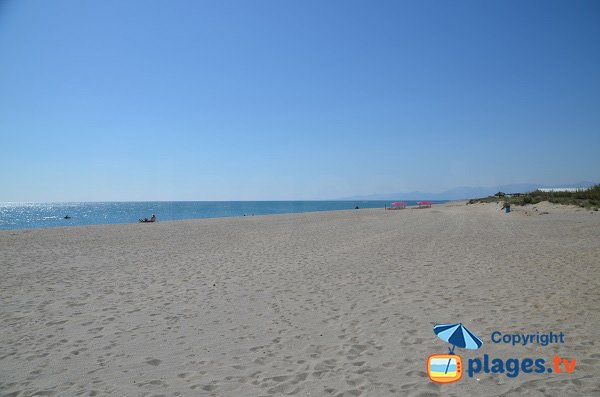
{"x":243,"y":100}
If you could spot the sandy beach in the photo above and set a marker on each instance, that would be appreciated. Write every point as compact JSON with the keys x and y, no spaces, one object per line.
{"x":322,"y":304}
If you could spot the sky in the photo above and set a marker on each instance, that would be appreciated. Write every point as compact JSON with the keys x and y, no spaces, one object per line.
{"x":291,"y":100}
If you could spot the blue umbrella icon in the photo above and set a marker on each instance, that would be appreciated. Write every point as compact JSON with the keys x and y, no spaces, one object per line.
{"x":457,"y":335}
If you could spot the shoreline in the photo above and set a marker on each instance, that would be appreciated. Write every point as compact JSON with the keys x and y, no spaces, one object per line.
{"x":214,"y":217}
{"x":527,"y":209}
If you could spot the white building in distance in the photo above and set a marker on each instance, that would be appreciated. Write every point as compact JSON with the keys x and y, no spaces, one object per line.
{"x":561,"y":189}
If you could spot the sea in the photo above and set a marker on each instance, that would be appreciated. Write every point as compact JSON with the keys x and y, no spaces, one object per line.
{"x":40,"y":215}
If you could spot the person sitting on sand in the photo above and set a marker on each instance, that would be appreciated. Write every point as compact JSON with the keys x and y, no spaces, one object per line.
{"x":146,"y":220}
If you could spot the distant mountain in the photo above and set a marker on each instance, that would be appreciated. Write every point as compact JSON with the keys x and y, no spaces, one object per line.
{"x":465,"y":192}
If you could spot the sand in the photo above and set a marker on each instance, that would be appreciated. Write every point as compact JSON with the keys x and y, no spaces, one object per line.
{"x":322,"y":304}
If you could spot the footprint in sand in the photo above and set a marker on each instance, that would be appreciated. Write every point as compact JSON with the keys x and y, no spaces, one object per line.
{"x":153,"y":361}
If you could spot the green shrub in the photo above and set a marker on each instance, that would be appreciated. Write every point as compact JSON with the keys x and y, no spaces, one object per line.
{"x":582,"y":198}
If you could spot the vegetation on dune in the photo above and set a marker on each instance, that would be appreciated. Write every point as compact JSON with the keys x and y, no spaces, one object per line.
{"x":588,"y":198}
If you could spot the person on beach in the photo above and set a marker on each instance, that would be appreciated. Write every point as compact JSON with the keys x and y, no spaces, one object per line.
{"x":146,"y":220}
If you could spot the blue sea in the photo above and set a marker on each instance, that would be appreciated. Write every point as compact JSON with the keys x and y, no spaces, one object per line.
{"x":34,"y":215}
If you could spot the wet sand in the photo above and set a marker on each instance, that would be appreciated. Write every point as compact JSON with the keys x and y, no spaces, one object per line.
{"x":323,"y":304}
